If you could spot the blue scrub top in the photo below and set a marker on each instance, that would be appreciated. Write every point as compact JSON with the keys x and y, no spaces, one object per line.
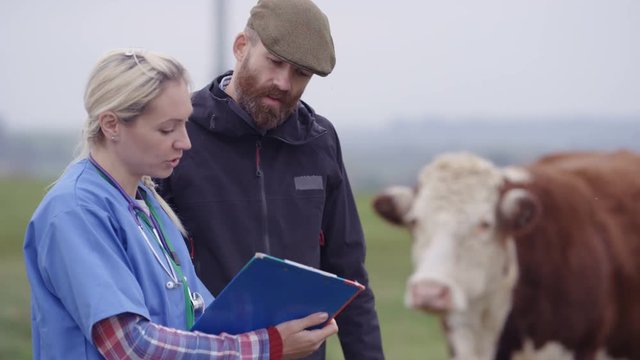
{"x":87,"y":260}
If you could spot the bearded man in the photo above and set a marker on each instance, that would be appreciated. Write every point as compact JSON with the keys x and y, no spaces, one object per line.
{"x":265,"y":172}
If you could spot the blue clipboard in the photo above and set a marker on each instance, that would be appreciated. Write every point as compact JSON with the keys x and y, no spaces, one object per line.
{"x":268,"y":291}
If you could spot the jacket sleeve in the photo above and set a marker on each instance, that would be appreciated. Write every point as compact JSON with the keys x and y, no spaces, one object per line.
{"x":129,"y":336}
{"x":344,"y":254}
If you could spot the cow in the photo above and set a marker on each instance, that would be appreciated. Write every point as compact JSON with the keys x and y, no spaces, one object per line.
{"x":526,"y":262}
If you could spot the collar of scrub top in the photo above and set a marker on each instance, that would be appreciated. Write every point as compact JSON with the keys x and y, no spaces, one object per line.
{"x":193,"y":301}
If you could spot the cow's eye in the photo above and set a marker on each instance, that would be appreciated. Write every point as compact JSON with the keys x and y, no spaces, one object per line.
{"x":484,"y":225}
{"x":482,"y":228}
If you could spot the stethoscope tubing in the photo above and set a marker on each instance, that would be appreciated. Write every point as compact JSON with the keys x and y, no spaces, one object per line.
{"x":196,"y":299}
{"x":135,"y":209}
{"x":169,"y":270}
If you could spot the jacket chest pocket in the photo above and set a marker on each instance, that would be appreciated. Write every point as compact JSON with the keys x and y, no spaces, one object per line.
{"x":309,"y":183}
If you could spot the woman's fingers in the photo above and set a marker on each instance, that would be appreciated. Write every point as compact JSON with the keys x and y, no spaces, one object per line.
{"x":298,"y":342}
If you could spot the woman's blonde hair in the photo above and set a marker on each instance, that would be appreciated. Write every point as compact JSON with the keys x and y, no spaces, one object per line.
{"x":125,"y":82}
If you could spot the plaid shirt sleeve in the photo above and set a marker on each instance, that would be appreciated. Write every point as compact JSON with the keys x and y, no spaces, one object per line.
{"x":129,"y":336}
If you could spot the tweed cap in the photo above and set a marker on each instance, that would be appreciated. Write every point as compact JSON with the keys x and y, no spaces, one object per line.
{"x":296,"y":31}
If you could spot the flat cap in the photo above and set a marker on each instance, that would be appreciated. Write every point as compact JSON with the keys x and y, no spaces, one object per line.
{"x":296,"y":31}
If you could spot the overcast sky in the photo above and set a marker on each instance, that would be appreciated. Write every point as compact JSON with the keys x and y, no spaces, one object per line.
{"x":453,"y":59}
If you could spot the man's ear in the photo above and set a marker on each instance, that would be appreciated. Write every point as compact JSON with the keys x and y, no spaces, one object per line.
{"x":240,"y":46}
{"x":109,"y":125}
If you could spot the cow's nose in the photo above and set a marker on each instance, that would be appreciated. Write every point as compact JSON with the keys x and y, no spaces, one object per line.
{"x":431,"y":296}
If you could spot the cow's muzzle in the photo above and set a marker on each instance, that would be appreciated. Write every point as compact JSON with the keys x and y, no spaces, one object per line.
{"x":430,"y":296}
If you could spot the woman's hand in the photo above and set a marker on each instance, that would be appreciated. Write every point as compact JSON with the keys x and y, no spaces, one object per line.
{"x":298,"y":342}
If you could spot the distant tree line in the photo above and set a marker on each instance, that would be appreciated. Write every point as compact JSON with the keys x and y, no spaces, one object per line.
{"x":396,"y":153}
{"x":376,"y":157}
{"x":35,"y":155}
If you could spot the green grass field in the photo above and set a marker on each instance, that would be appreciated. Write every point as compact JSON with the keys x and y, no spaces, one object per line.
{"x":406,"y":335}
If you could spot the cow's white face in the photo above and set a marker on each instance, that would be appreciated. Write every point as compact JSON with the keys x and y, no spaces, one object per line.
{"x":455,"y":239}
{"x":464,"y":266}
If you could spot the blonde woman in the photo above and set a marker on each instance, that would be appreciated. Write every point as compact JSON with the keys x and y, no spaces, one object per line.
{"x":109,"y":272}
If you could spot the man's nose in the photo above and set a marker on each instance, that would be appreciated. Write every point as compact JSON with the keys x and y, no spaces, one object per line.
{"x":283,"y":78}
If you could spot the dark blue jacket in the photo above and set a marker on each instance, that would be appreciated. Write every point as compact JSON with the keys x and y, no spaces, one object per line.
{"x":284,"y":192}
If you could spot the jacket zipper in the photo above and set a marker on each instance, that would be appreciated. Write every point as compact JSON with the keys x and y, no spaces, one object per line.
{"x":263,"y":200}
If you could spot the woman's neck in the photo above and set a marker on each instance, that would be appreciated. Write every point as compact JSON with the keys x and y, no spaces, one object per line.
{"x":118,"y":172}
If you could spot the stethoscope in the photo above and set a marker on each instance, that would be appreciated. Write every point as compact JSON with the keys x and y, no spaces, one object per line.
{"x":194,"y":302}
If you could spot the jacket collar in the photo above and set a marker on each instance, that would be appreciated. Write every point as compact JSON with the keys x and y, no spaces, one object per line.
{"x":216,"y":111}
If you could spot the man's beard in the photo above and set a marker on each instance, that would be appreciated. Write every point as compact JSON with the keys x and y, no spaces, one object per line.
{"x":250,"y":97}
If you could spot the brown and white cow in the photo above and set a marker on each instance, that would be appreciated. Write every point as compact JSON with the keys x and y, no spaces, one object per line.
{"x":538,"y":262}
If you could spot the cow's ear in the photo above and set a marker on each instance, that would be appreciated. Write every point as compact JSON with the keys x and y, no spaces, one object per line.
{"x":393,"y":203}
{"x":518,"y":210}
